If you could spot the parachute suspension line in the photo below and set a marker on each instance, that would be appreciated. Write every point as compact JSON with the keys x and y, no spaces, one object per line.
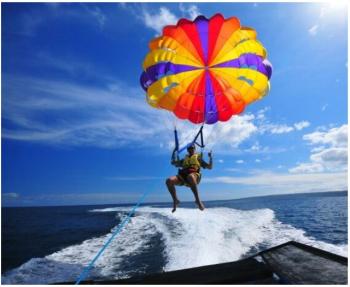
{"x":175,"y":154}
{"x":198,"y":140}
{"x":202,"y":145}
{"x":199,"y":134}
{"x":119,"y":228}
{"x":174,"y":121}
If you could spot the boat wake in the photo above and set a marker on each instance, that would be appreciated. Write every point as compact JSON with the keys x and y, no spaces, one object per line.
{"x":156,"y":240}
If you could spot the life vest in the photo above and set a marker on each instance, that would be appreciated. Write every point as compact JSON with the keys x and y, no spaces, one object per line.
{"x":192,"y":162}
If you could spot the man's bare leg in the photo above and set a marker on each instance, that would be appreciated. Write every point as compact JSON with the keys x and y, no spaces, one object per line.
{"x":192,"y":180}
{"x":171,"y":182}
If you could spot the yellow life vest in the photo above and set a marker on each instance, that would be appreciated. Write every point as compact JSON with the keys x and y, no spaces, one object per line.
{"x":192,"y":161}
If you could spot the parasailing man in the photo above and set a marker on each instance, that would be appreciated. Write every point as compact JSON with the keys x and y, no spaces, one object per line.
{"x":204,"y":71}
{"x":188,"y":175}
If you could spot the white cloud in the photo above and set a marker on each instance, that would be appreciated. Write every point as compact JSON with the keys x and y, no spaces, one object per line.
{"x":260,"y":115}
{"x":276,"y":128}
{"x":221,"y":161}
{"x":257,"y":160}
{"x":280,"y":129}
{"x":164,"y":17}
{"x":189,"y":10}
{"x":334,"y":158}
{"x":307,"y":168}
{"x":313,"y":30}
{"x":318,"y":149}
{"x":239,"y":161}
{"x":157,"y":21}
{"x":31,"y":20}
{"x":62,"y":113}
{"x":301,"y":125}
{"x":229,"y":135}
{"x":10,"y":195}
{"x":330,"y":155}
{"x":67,"y":64}
{"x":233,"y":169}
{"x":96,"y":13}
{"x":265,"y":126}
{"x":283,"y":128}
{"x":134,"y":178}
{"x":255,"y":147}
{"x":336,"y":137}
{"x":287,"y":183}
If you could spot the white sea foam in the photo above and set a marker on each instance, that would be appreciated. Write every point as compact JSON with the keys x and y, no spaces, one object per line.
{"x":191,"y":238}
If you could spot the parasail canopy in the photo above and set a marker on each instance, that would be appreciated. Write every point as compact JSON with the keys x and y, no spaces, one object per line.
{"x":206,"y":70}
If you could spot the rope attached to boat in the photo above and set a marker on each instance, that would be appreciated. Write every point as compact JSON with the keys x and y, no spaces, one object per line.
{"x":125,"y":221}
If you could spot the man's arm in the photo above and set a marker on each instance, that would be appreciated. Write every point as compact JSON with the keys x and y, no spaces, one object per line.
{"x":177,"y":162}
{"x":209,"y":165}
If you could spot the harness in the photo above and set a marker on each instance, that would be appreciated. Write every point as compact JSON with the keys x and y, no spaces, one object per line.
{"x":192,"y":163}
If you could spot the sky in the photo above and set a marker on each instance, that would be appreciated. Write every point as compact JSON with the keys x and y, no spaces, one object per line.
{"x":76,"y":128}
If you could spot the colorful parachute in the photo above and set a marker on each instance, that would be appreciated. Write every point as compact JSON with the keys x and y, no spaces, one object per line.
{"x":207,"y":70}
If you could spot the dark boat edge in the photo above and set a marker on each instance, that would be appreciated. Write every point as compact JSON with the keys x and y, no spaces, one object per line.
{"x":261,"y":268}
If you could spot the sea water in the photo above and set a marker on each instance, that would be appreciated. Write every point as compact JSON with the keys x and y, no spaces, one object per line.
{"x":42,"y":245}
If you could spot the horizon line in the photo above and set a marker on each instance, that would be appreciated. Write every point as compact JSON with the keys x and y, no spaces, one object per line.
{"x":169,"y":202}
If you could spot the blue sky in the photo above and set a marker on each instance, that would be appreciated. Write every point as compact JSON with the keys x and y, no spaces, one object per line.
{"x":76,"y":128}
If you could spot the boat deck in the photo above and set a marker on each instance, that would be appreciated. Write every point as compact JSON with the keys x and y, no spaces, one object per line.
{"x":298,"y":263}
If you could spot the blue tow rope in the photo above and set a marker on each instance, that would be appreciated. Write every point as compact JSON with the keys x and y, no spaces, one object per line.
{"x":115,"y":233}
